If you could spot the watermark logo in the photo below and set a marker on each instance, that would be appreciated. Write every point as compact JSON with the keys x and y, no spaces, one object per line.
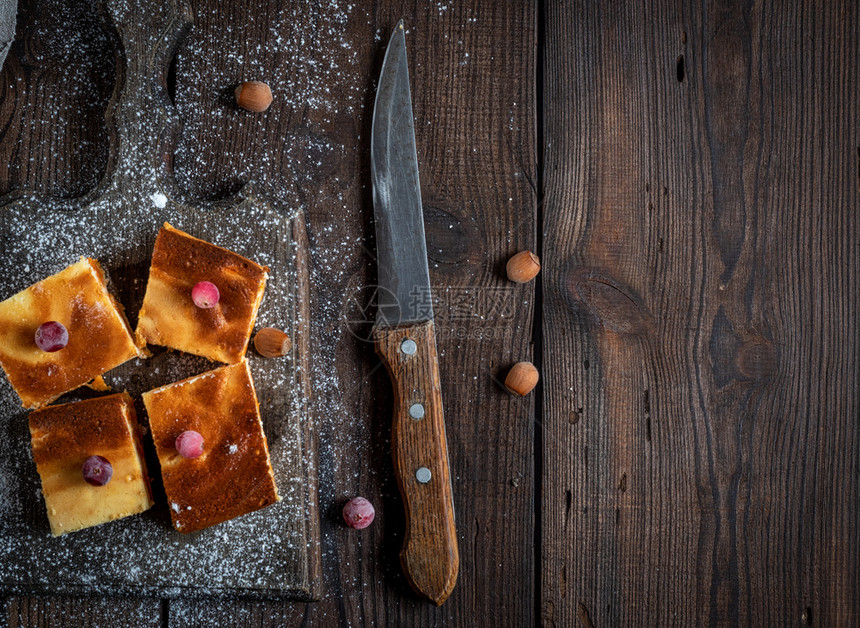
{"x":360,"y":308}
{"x":461,"y":312}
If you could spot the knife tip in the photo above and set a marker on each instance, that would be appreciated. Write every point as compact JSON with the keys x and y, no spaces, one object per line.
{"x":400,"y":24}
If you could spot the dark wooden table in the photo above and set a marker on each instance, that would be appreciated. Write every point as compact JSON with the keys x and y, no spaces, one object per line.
{"x":689,"y":177}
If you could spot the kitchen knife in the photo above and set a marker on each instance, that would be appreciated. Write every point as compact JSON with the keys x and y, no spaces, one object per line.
{"x":405,"y":336}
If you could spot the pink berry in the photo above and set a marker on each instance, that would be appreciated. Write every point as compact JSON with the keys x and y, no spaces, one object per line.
{"x":205,"y":295}
{"x":190,"y":444}
{"x":358,"y":513}
{"x":52,"y":336}
{"x":97,"y":470}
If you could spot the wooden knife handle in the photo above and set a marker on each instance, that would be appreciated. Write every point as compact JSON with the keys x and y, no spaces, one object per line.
{"x":429,"y":555}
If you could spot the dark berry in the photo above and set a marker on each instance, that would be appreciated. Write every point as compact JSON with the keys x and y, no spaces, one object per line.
{"x":52,"y":336}
{"x":97,"y":470}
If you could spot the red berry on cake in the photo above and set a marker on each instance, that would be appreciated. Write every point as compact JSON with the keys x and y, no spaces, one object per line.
{"x":205,"y":295}
{"x":190,"y":444}
{"x":184,"y":266}
{"x":234,"y":477}
{"x":52,"y":336}
{"x":97,"y":470}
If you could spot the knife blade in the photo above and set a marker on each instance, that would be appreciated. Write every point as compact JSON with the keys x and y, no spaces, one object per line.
{"x":405,"y":339}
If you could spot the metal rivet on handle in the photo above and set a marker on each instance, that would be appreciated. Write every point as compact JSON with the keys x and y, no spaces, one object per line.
{"x":423,"y":475}
{"x":408,"y":347}
{"x":416,"y":411}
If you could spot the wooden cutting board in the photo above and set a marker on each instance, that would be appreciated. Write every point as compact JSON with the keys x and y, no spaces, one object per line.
{"x":271,"y":553}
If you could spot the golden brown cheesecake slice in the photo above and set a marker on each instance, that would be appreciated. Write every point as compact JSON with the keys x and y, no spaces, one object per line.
{"x":169,"y":316}
{"x":99,"y":336}
{"x":64,"y":437}
{"x":233,"y":476}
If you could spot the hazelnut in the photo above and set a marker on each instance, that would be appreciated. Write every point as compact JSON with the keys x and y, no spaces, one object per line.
{"x":522,"y":378}
{"x":522,"y":267}
{"x":272,"y":343}
{"x":253,"y":96}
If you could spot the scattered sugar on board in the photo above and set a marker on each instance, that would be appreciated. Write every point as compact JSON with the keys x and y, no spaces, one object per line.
{"x":248,"y":553}
{"x":301,"y":82}
{"x":243,"y":553}
{"x":159,"y":200}
{"x":72,"y":39}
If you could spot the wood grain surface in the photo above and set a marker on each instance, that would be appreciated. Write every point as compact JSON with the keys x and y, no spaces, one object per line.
{"x":700,"y":441}
{"x":695,"y":461}
{"x":64,"y":154}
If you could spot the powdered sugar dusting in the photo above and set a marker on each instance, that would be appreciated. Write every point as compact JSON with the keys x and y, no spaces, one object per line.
{"x":159,"y":200}
{"x":260,"y":553}
{"x":306,"y":59}
{"x":74,"y":54}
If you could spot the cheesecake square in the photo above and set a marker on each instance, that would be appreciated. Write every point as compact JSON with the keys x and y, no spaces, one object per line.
{"x":99,"y":336}
{"x":64,"y":437}
{"x":169,"y":316}
{"x":233,"y":476}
